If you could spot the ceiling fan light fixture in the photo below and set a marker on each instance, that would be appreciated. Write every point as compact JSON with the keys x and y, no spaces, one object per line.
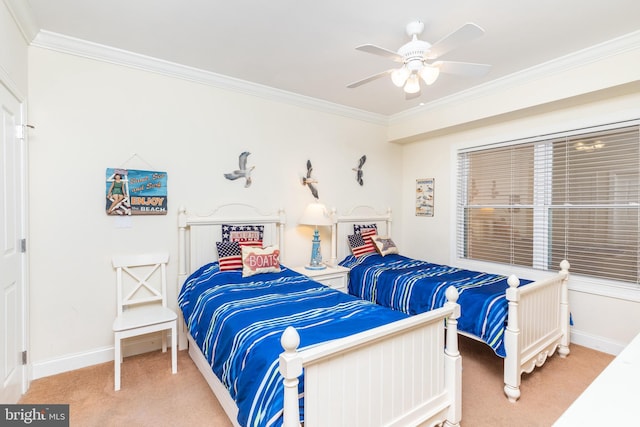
{"x":412,"y":85}
{"x":399,"y":76}
{"x":429,"y":74}
{"x":417,"y":58}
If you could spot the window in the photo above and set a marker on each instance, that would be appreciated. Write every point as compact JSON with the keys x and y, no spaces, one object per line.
{"x":573,"y":196}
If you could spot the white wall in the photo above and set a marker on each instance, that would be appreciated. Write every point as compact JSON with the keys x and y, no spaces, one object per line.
{"x":90,"y":115}
{"x":602,"y":322}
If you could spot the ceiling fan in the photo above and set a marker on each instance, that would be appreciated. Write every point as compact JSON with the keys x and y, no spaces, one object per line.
{"x":419,"y":58}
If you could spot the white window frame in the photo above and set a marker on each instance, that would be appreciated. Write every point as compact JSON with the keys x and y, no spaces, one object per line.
{"x":587,"y":284}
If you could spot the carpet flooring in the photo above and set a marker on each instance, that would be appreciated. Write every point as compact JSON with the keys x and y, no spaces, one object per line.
{"x":152,"y":396}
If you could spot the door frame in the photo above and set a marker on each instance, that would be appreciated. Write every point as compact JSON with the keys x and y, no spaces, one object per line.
{"x":22,"y":136}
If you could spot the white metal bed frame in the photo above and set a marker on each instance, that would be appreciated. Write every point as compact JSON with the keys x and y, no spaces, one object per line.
{"x":413,"y":388}
{"x":538,"y":317}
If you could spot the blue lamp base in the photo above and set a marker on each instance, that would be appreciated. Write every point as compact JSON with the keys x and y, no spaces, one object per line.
{"x":316,"y":256}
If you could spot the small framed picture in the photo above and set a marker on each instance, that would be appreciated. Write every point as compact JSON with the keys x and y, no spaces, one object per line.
{"x":424,"y":196}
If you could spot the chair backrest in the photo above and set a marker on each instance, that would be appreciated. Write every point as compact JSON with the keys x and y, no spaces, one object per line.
{"x":141,"y":279}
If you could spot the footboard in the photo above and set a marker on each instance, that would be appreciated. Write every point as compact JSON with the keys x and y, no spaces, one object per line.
{"x":538,"y":324}
{"x":400,"y":374}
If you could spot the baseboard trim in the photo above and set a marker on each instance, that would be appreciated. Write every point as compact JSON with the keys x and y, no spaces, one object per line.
{"x":596,"y":342}
{"x":146,"y":344}
{"x":70,"y":362}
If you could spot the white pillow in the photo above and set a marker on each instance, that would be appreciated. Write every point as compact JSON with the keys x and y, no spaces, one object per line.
{"x":384,"y":245}
{"x":260,"y":260}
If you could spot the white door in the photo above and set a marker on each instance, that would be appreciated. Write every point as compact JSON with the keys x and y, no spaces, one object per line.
{"x":12,"y":281}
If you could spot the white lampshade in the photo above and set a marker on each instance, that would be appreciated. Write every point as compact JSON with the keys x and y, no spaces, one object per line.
{"x":399,"y":76}
{"x":413,"y":84}
{"x":429,"y":74}
{"x":315,"y":214}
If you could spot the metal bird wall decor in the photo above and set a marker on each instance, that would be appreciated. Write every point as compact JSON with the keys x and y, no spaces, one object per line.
{"x":358,"y":169}
{"x":309,"y":181}
{"x":243,"y":171}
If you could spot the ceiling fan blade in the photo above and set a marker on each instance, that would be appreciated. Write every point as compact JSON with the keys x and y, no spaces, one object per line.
{"x":370,"y":78}
{"x":464,"y":34}
{"x":462,"y":68}
{"x":377,"y":50}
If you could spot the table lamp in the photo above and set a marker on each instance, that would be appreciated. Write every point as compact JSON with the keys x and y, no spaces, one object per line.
{"x":315,"y":214}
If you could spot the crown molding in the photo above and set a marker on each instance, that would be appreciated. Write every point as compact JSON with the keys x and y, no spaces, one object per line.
{"x":10,"y":84}
{"x":573,"y":60}
{"x":23,"y":17}
{"x":82,"y":48}
{"x":85,"y":49}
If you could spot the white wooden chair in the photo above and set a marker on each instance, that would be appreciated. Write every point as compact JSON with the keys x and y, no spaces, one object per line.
{"x":142,"y":303}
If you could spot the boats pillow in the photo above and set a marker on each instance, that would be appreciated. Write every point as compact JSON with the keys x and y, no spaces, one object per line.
{"x":260,"y":260}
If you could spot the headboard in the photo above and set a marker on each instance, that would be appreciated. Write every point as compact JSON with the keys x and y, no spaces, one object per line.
{"x":198,"y":234}
{"x":343,"y":227}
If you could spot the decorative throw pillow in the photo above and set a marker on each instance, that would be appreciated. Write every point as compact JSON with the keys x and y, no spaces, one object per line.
{"x":245,"y":235}
{"x":260,"y":260}
{"x":384,"y":245}
{"x":359,"y":228}
{"x":358,"y":245}
{"x":368,"y":233}
{"x":229,"y":256}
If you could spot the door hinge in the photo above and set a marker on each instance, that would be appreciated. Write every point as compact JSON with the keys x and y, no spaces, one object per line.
{"x":23,"y":245}
{"x":24,"y":357}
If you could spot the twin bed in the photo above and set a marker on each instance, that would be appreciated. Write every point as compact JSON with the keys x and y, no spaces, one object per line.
{"x":278,"y":348}
{"x":524,"y":322}
{"x":363,"y":364}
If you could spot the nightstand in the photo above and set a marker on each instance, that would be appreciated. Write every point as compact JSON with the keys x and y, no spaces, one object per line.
{"x":334,"y":277}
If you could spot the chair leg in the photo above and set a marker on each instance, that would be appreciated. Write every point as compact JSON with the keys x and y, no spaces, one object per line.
{"x":174,"y":349}
{"x":117,"y":360}
{"x":164,"y":340}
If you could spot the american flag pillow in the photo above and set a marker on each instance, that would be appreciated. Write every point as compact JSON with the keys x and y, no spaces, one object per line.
{"x":358,"y":245}
{"x":229,"y":256}
{"x":367,"y":231}
{"x":245,"y":235}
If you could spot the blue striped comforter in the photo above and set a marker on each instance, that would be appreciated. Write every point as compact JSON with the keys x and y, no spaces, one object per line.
{"x":237,"y":323}
{"x":413,"y":286}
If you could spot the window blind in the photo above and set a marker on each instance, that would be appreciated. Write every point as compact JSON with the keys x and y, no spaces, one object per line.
{"x":573,"y":196}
